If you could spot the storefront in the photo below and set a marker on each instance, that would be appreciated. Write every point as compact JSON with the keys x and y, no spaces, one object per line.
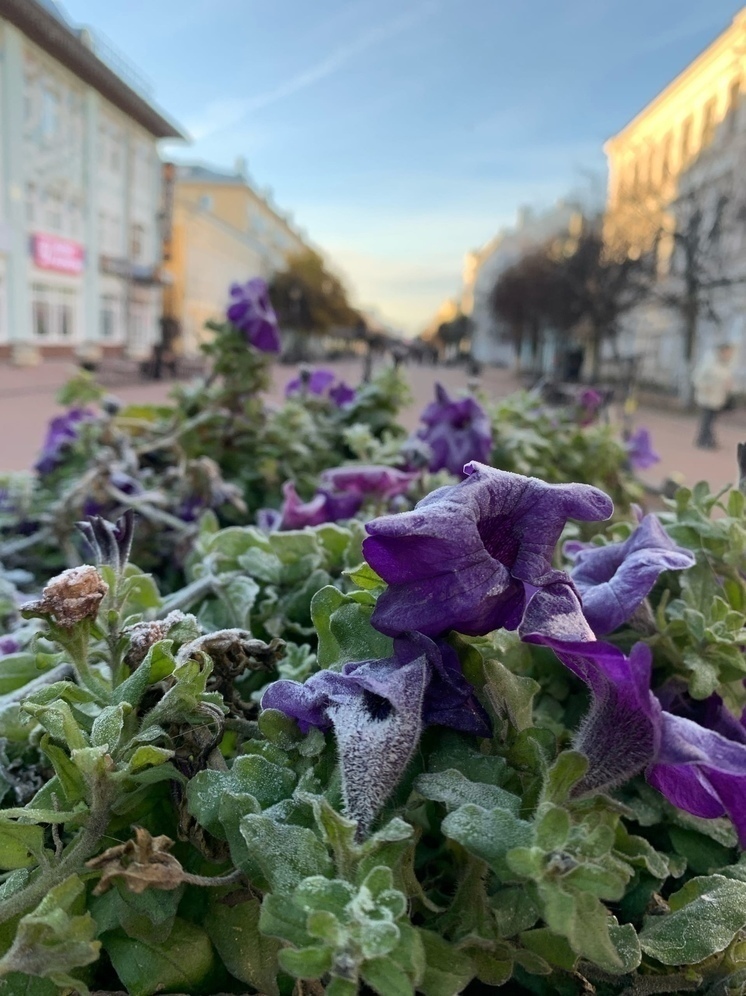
{"x":56,"y":286}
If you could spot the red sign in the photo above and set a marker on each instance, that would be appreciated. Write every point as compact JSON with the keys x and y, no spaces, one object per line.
{"x":50,"y":252}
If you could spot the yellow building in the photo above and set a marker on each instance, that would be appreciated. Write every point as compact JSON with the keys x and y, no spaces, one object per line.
{"x":222,"y":230}
{"x":648,"y":156}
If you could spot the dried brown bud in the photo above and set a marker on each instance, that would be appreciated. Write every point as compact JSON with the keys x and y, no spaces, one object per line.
{"x":144,"y":634}
{"x":234,"y":651}
{"x":71,"y":597}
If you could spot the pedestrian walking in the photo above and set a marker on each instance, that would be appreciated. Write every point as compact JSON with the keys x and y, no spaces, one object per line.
{"x":713,"y":387}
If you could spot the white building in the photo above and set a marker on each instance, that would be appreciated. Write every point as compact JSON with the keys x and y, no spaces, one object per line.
{"x":684,"y":154}
{"x":483,"y":267}
{"x":80,"y":192}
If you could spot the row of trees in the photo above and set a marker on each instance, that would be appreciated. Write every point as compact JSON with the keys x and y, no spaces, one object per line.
{"x":582,"y":289}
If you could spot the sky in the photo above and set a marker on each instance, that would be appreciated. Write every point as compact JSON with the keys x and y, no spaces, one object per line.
{"x":402,"y":134}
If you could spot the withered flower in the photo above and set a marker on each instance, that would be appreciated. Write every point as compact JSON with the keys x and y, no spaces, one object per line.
{"x":71,"y":597}
{"x":143,"y":863}
{"x":143,"y":635}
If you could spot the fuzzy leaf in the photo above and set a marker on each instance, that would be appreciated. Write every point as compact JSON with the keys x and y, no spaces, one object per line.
{"x":180,"y":964}
{"x":285,"y":854}
{"x":489,"y":834}
{"x":447,"y":970}
{"x":247,"y":953}
{"x":705,"y":917}
{"x":453,"y":789}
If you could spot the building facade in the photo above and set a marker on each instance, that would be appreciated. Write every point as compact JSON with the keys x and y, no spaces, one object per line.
{"x":677,"y":191}
{"x":482,"y":268}
{"x":80,"y":194}
{"x":223,"y":231}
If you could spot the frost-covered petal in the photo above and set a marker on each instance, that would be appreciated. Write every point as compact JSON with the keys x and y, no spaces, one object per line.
{"x":377,"y":738}
{"x":368,"y":479}
{"x":458,"y":560}
{"x":614,"y":580}
{"x":719,"y":783}
{"x":456,"y":431}
{"x":621,"y":731}
{"x":251,"y":311}
{"x":640,"y":452}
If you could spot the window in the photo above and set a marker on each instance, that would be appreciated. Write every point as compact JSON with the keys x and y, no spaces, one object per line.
{"x":708,"y":122}
{"x":54,"y":313}
{"x":686,"y":139}
{"x":50,"y":114}
{"x":109,"y":317}
{"x":734,"y":99}
{"x":53,"y":212}
{"x":137,"y":242}
{"x":665,"y":161}
{"x":41,"y":314}
{"x":30,"y":203}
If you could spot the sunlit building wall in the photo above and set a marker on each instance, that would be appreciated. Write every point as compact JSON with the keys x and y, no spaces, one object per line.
{"x":79,"y":194}
{"x":683,"y":152}
{"x":224,"y":231}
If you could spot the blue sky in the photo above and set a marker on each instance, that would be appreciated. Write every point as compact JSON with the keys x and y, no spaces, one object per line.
{"x":402,"y":133}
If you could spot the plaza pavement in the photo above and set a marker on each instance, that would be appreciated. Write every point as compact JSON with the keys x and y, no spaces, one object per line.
{"x":27,"y":402}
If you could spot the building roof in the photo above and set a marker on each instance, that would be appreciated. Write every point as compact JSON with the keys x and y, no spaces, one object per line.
{"x":734,"y":29}
{"x":44,"y":23}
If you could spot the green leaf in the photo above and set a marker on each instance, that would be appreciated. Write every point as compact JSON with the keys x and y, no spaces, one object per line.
{"x":567,"y":770}
{"x":514,"y":911}
{"x":366,"y":578}
{"x":108,"y":726}
{"x":386,"y":978}
{"x":283,"y":918}
{"x":21,"y":845}
{"x":489,"y":834}
{"x":705,"y":917}
{"x":247,"y":953}
{"x":551,"y":947}
{"x":56,"y":938}
{"x":180,"y":964}
{"x":17,"y":670}
{"x":344,"y":630}
{"x":285,"y":854}
{"x":553,"y":828}
{"x":306,"y":963}
{"x":584,"y":921}
{"x":158,"y":664}
{"x":453,"y":789}
{"x":447,"y":970}
{"x":511,"y":695}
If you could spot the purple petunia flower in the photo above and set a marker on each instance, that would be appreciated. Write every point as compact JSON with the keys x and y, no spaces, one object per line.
{"x":323,"y":507}
{"x":251,"y":311}
{"x":378,"y":709}
{"x":590,"y":401}
{"x":8,"y":645}
{"x":640,"y":452}
{"x":368,"y":479}
{"x":456,"y":432}
{"x":317,"y":382}
{"x":63,"y":430}
{"x":342,"y":394}
{"x":322,"y":384}
{"x":460,"y":558}
{"x":614,"y":580}
{"x":627,"y":731}
{"x":269,"y":520}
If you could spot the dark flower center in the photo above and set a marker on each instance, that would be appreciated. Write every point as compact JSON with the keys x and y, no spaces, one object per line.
{"x":377,"y":707}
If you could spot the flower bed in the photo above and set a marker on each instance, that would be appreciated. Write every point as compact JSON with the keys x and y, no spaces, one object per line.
{"x":436,"y":716}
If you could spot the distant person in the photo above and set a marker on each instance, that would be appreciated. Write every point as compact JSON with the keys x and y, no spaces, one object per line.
{"x":713,"y":386}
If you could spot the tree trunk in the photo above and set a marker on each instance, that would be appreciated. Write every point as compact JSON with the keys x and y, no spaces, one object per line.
{"x":691,"y":323}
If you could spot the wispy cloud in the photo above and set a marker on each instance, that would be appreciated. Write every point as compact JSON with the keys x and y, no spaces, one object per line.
{"x":223,"y":114}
